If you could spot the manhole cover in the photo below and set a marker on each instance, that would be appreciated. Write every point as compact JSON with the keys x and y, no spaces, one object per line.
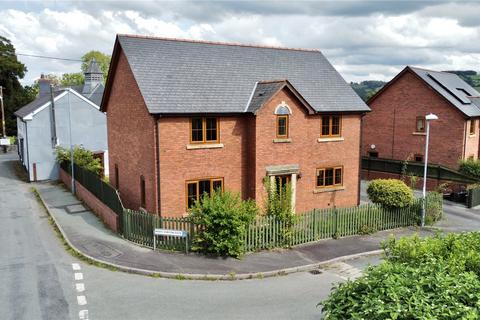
{"x":75,"y":208}
{"x":315,"y":272}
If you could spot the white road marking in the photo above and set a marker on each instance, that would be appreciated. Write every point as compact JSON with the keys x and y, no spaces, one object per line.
{"x":75,"y":266}
{"x":83,"y":314}
{"x":80,"y":287}
{"x":78,"y":276}
{"x":81,"y":300}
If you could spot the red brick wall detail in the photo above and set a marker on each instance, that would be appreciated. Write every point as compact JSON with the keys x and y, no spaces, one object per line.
{"x":401,"y":103}
{"x":131,"y":139}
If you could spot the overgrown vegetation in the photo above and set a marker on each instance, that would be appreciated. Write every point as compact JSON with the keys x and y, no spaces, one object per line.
{"x":224,"y":218}
{"x":470,"y":167}
{"x":82,"y":157}
{"x":278,"y":204}
{"x":390,"y":193}
{"x":432,"y":278}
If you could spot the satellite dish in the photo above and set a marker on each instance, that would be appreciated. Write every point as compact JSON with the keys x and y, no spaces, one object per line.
{"x":372,"y":146}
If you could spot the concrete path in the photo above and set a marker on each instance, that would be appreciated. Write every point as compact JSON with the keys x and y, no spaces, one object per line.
{"x":88,"y":235}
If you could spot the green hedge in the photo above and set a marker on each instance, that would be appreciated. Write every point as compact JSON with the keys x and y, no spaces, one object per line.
{"x":432,"y":278}
{"x":470,"y":168}
{"x":391,"y":193}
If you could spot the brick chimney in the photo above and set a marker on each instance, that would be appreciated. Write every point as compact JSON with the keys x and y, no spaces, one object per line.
{"x":44,"y":85}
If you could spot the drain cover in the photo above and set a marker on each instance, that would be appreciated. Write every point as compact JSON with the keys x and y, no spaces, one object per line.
{"x":315,"y":272}
{"x":75,"y":208}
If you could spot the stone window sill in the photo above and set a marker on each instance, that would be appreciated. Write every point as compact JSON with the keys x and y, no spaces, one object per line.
{"x":283,"y":140}
{"x":419,"y":133}
{"x":333,"y":139}
{"x":472,"y":135}
{"x":204,"y":146}
{"x":332,"y":189}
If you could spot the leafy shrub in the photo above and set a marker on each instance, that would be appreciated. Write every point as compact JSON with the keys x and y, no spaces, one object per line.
{"x":81,"y":156}
{"x":470,"y":167}
{"x":433,"y":207}
{"x":431,"y":278}
{"x":223,"y":217}
{"x":390,"y":193}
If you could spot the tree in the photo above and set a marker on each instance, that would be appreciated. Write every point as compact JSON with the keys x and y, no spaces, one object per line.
{"x":72,"y":79}
{"x":103,"y":61}
{"x":15,"y":96}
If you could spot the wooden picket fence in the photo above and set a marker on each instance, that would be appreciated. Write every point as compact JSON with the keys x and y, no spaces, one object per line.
{"x":269,"y":232}
{"x":138,"y":227}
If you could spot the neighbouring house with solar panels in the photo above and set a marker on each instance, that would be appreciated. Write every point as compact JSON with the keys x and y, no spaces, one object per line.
{"x":188,"y":117}
{"x":73,"y":119}
{"x":395,"y":128}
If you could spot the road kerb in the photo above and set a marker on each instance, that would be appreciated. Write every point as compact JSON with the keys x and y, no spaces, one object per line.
{"x":195,"y":276}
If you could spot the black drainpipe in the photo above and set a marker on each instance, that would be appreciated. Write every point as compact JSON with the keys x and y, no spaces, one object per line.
{"x":157,"y":156}
{"x":53,"y":125}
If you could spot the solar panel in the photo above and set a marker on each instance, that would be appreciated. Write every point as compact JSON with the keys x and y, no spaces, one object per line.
{"x":451,"y":84}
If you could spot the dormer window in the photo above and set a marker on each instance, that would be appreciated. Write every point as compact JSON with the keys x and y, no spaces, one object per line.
{"x":282,"y":122}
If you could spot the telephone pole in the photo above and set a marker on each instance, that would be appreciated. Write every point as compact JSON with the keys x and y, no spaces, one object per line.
{"x":4,"y":134}
{"x":3,"y":113}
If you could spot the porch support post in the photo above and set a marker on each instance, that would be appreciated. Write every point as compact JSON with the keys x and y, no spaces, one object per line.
{"x":293,"y":184}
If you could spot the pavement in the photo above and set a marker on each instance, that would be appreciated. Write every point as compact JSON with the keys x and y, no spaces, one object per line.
{"x":88,"y":235}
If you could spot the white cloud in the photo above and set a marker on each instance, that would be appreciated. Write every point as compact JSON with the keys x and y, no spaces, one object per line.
{"x":369,"y":43}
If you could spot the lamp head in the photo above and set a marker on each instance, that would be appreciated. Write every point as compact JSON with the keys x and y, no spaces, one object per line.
{"x":431,"y":116}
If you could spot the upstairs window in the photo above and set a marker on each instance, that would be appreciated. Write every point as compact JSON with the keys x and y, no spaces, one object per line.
{"x":473,"y":124}
{"x":329,"y":177}
{"x":197,"y":188}
{"x":282,"y":126}
{"x":331,"y":126}
{"x":117,"y":177}
{"x":204,"y":130}
{"x":420,"y":124}
{"x":282,"y":122}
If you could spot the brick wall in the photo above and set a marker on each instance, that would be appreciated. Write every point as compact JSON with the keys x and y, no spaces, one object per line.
{"x":110,"y":218}
{"x":179,"y":164}
{"x":305,"y":150}
{"x":390,"y":126}
{"x":131,"y":140}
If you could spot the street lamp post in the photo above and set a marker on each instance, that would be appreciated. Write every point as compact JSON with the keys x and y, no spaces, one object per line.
{"x":428,"y":118}
{"x":4,"y":134}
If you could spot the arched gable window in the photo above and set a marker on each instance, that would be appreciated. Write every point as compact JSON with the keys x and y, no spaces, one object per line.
{"x":282,"y":122}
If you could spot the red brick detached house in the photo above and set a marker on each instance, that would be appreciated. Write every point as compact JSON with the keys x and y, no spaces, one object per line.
{"x":188,"y":117}
{"x":395,"y":129}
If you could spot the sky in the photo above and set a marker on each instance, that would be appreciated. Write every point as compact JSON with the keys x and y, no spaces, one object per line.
{"x":364,"y":40}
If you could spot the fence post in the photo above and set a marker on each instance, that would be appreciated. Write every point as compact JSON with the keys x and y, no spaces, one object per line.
{"x":335,"y":228}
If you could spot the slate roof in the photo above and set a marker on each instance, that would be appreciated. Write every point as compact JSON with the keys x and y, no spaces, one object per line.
{"x":35,"y":104}
{"x":453,"y":88}
{"x":180,"y":76}
{"x":95,"y":96}
{"x":93,"y":67}
{"x":263,"y":92}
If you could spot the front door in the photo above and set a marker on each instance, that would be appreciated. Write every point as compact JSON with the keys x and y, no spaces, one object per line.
{"x":281,"y":183}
